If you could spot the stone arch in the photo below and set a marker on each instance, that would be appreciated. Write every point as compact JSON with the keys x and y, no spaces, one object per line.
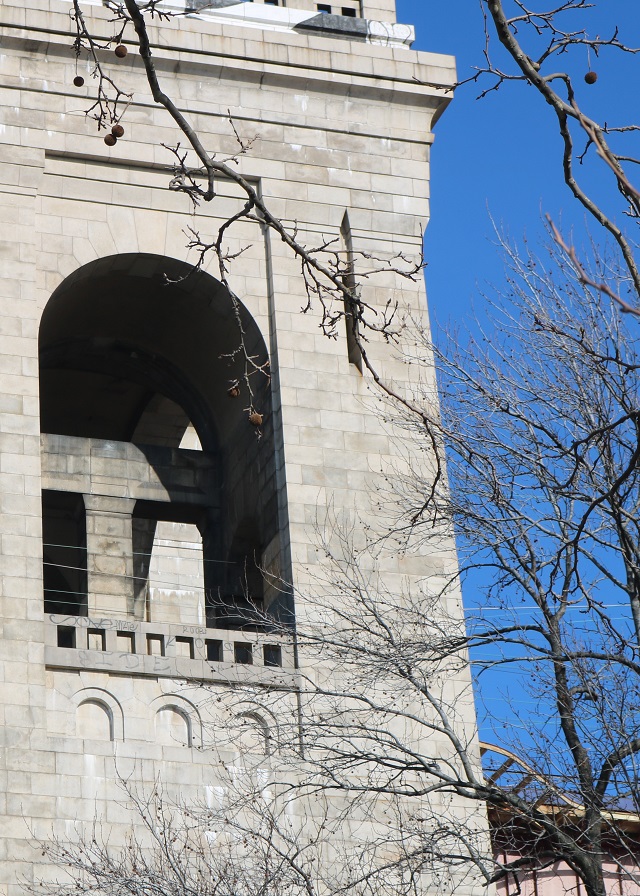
{"x":172,"y":727}
{"x":256,"y":729}
{"x":137,"y":350}
{"x":94,"y":720}
{"x":177,"y":721}
{"x":117,"y":334}
{"x":99,"y":715}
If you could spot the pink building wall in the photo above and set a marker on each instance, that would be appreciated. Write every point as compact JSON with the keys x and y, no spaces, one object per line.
{"x":622,"y":879}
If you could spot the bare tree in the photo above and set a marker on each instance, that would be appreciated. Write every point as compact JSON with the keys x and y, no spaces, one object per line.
{"x":544,"y":46}
{"x":543,"y":466}
{"x":540,"y":423}
{"x":271,"y":829}
{"x":247,"y":844}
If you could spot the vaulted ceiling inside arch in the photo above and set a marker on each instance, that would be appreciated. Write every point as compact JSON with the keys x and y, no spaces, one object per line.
{"x":125,"y":355}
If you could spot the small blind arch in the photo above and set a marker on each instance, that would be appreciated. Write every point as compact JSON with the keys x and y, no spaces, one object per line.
{"x":94,"y":720}
{"x":173,"y":727}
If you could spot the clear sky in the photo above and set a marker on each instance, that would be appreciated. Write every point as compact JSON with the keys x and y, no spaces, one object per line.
{"x":500,"y":157}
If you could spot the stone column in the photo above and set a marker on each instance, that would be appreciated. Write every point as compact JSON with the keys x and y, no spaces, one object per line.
{"x":109,"y":556}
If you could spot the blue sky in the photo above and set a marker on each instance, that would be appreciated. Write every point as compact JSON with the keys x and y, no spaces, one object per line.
{"x":500,"y":157}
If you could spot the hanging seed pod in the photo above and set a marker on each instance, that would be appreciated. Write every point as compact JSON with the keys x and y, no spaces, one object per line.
{"x":591,"y":77}
{"x":110,"y":140}
{"x":233,"y":391}
{"x":255,"y":419}
{"x":117,"y":130}
{"x":78,"y":81}
{"x":121,"y":51}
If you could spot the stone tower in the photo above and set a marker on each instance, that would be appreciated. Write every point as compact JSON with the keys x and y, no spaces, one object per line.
{"x":132,"y":487}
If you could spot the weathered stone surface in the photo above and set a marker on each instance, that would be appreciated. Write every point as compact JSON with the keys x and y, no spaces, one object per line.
{"x":155,"y":510}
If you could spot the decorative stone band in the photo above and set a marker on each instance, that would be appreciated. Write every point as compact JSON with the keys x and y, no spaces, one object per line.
{"x":190,"y":652}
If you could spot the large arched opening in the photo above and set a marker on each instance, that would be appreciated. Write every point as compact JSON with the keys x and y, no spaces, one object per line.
{"x":137,"y":355}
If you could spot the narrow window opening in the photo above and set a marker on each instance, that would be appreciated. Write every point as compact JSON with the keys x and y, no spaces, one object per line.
{"x":66,"y":636}
{"x":96,"y":639}
{"x":350,"y":306}
{"x":155,"y":645}
{"x":64,"y":551}
{"x":243,"y":653}
{"x":238,"y":603}
{"x":272,"y":655}
{"x":348,"y":11}
{"x":214,"y":651}
{"x":324,"y":8}
{"x":162,"y":532}
{"x":184,"y":648}
{"x":126,"y":642}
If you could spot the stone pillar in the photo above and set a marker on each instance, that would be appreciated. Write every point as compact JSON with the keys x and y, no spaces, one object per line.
{"x":109,"y":556}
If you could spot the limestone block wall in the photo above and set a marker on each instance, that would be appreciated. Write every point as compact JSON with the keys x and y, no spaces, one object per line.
{"x":342,"y":128}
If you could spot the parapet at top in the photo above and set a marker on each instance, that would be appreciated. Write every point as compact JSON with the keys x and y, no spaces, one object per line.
{"x":372,"y":21}
{"x":377,"y":10}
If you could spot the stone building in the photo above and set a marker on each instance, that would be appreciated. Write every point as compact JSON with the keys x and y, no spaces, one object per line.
{"x":143,"y":522}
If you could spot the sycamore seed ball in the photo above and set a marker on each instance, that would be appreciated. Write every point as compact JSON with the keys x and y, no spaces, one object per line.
{"x":120,"y":51}
{"x":117,"y":130}
{"x":78,"y":81}
{"x":591,"y":77}
{"x":110,"y":140}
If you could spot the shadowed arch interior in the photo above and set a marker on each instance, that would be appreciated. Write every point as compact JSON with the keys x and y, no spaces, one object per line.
{"x":135,"y":349}
{"x":116,"y":335}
